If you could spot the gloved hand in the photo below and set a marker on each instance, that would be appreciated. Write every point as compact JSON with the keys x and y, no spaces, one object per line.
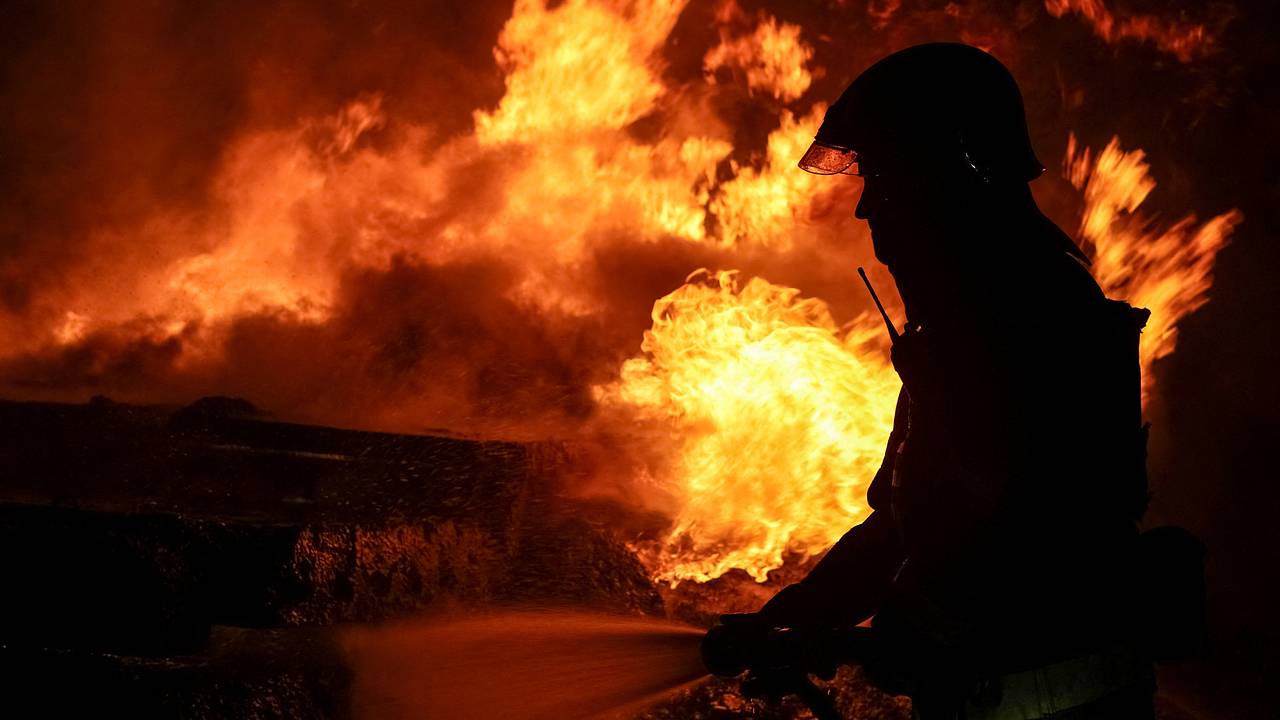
{"x":777,"y":661}
{"x":748,"y":641}
{"x":735,"y":644}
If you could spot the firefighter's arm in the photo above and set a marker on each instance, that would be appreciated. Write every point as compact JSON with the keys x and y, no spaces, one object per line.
{"x":848,"y":585}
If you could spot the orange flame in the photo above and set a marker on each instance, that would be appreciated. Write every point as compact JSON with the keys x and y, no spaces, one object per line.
{"x":779,"y":417}
{"x":1182,"y":40}
{"x":301,"y":206}
{"x":761,"y":206}
{"x":773,"y":57}
{"x":1166,"y":269}
{"x":581,"y":66}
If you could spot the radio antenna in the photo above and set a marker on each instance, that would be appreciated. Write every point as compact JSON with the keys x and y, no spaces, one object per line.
{"x":893,"y":333}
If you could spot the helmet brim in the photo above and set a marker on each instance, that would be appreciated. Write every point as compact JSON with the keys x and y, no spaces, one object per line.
{"x":824,"y":159}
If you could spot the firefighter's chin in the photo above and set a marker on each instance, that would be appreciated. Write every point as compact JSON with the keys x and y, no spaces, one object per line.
{"x":886,"y":241}
{"x":905,"y":238}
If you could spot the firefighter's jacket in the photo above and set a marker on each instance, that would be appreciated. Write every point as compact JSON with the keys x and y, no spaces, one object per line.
{"x":1003,"y":529}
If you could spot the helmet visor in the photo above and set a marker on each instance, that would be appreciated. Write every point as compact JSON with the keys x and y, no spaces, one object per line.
{"x":822,"y":159}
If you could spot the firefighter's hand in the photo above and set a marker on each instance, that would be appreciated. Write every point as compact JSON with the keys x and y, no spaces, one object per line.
{"x":735,"y":644}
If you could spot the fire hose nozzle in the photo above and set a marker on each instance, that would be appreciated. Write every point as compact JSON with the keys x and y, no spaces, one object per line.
{"x":746,"y":642}
{"x":779,"y":660}
{"x":729,"y":648}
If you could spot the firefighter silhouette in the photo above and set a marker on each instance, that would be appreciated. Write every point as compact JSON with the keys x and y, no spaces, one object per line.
{"x":1002,"y":563}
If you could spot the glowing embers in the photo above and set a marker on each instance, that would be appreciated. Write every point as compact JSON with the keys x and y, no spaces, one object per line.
{"x":779,"y":421}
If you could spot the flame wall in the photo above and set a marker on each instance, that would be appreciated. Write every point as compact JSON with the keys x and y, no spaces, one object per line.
{"x":460,"y":217}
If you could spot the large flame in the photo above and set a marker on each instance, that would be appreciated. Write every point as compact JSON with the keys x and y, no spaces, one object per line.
{"x":359,"y":265}
{"x":780,"y":420}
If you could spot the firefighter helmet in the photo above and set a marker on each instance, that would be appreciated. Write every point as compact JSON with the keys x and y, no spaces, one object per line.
{"x":934,"y":110}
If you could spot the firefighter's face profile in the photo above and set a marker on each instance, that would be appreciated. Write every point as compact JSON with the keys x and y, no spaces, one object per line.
{"x":901,"y":212}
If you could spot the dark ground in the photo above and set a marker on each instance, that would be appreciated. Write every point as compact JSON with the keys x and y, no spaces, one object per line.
{"x":195,"y":563}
